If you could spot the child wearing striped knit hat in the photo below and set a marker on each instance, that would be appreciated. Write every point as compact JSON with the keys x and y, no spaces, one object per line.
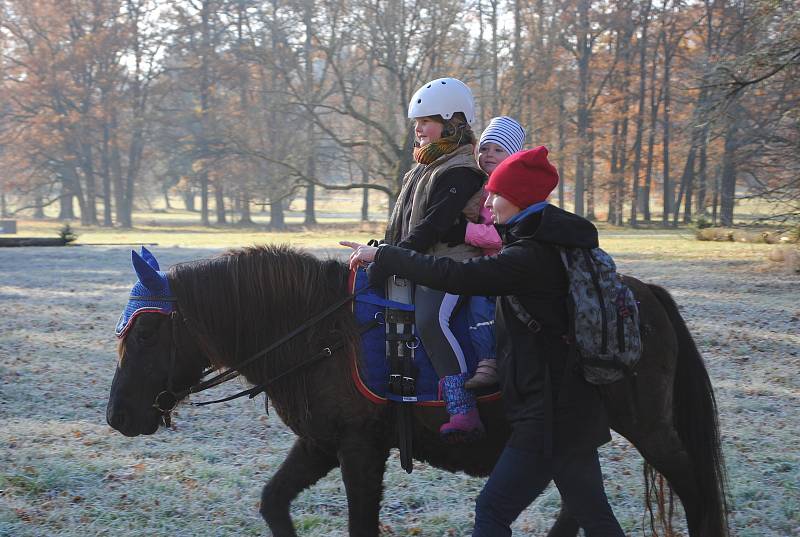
{"x":502,"y":137}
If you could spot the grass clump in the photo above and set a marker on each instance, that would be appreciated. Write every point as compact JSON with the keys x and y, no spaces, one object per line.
{"x":66,"y":234}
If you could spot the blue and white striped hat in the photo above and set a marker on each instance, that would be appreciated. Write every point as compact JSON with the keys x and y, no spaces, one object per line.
{"x":505,"y":132}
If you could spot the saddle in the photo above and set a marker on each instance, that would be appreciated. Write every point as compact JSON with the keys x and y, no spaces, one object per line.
{"x":373,"y":372}
{"x":394,"y":367}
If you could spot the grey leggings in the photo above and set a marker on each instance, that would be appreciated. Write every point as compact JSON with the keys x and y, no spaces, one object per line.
{"x":434,"y":310}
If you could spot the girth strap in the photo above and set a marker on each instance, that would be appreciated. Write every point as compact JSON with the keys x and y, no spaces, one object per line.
{"x":400,"y":345}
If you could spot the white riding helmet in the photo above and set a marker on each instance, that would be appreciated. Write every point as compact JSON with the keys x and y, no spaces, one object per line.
{"x":443,"y":97}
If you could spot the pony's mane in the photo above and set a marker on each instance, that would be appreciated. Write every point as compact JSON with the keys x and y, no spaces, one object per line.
{"x":241,"y":301}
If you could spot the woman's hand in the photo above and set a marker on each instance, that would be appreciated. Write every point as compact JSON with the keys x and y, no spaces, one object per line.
{"x":362,"y":254}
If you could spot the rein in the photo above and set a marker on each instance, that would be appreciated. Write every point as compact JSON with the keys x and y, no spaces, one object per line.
{"x":166,"y":401}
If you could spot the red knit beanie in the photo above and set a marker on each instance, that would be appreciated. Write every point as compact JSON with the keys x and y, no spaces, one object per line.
{"x":524,"y":178}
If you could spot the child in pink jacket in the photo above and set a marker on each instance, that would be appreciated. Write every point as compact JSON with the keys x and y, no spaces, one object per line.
{"x":502,"y":137}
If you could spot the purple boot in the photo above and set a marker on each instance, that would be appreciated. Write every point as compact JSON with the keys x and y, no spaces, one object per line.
{"x":465,"y":423}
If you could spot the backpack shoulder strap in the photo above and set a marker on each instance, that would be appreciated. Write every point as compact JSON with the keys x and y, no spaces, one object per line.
{"x":522,"y":314}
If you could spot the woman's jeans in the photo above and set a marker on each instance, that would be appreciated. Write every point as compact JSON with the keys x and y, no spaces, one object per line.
{"x":519,"y":477}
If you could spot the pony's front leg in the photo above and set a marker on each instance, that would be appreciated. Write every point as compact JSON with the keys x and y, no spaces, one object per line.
{"x":363,"y":462}
{"x":304,"y":466}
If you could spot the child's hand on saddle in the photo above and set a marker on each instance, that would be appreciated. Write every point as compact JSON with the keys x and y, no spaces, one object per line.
{"x":362,"y":254}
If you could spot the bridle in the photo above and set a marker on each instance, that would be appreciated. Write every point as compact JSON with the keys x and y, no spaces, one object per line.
{"x":166,"y":400}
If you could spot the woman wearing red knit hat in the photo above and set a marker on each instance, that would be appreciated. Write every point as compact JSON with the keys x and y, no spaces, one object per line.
{"x":558,"y":420}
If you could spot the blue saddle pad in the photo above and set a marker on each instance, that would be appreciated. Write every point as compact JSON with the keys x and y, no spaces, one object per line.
{"x":373,"y":371}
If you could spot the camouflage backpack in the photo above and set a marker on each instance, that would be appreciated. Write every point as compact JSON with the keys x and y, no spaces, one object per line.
{"x":605,"y":316}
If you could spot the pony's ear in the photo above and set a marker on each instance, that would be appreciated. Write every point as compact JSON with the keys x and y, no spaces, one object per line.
{"x":150,"y":258}
{"x":149,"y":277}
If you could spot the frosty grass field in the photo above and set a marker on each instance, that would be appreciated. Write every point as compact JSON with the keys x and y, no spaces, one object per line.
{"x":64,"y":471}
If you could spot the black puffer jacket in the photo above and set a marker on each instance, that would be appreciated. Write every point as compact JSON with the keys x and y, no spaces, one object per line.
{"x":531,"y":365}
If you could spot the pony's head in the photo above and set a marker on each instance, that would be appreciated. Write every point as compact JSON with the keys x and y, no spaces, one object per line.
{"x":156,"y":355}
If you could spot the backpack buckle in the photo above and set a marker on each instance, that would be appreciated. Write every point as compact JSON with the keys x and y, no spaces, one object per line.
{"x":534,"y":326}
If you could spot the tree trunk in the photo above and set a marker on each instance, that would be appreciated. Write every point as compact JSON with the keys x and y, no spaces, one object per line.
{"x":310,"y":212}
{"x":727,"y":190}
{"x":366,"y":152}
{"x":277,"y":220}
{"x":702,"y":181}
{"x":165,"y":193}
{"x":219,"y":201}
{"x":105,"y":161}
{"x":637,"y":144}
{"x":715,"y":198}
{"x":655,"y":102}
{"x":516,"y":60}
{"x":123,"y":206}
{"x":619,"y":132}
{"x":205,"y":90}
{"x":311,"y":216}
{"x":611,"y":217}
{"x":622,"y":163}
{"x":495,"y":96}
{"x":667,"y":183}
{"x":699,"y":127}
{"x":89,"y":209}
{"x":685,"y":189}
{"x":66,"y":206}
{"x":73,"y":186}
{"x":365,"y":205}
{"x":38,"y":211}
{"x":584,"y":51}
{"x":246,"y":216}
{"x":188,"y":200}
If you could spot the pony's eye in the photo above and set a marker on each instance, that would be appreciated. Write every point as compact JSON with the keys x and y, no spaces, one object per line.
{"x":146,"y":331}
{"x":146,"y":335}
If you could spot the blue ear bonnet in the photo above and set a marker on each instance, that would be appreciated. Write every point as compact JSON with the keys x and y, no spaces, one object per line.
{"x":151,"y":293}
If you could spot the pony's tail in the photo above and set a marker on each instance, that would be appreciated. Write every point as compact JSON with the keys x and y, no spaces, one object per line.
{"x":696,"y":421}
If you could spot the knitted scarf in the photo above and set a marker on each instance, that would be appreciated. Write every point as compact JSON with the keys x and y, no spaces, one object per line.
{"x":443,"y":146}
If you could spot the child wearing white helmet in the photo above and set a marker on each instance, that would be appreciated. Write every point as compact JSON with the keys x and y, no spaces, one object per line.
{"x":429,"y":218}
{"x":503,"y":136}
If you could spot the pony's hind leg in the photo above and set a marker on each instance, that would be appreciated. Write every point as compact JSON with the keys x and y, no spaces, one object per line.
{"x":565,"y":525}
{"x":664,"y":451}
{"x":363,"y":462}
{"x":304,"y":466}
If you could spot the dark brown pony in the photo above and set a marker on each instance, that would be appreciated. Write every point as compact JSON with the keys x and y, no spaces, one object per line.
{"x":238,"y":303}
